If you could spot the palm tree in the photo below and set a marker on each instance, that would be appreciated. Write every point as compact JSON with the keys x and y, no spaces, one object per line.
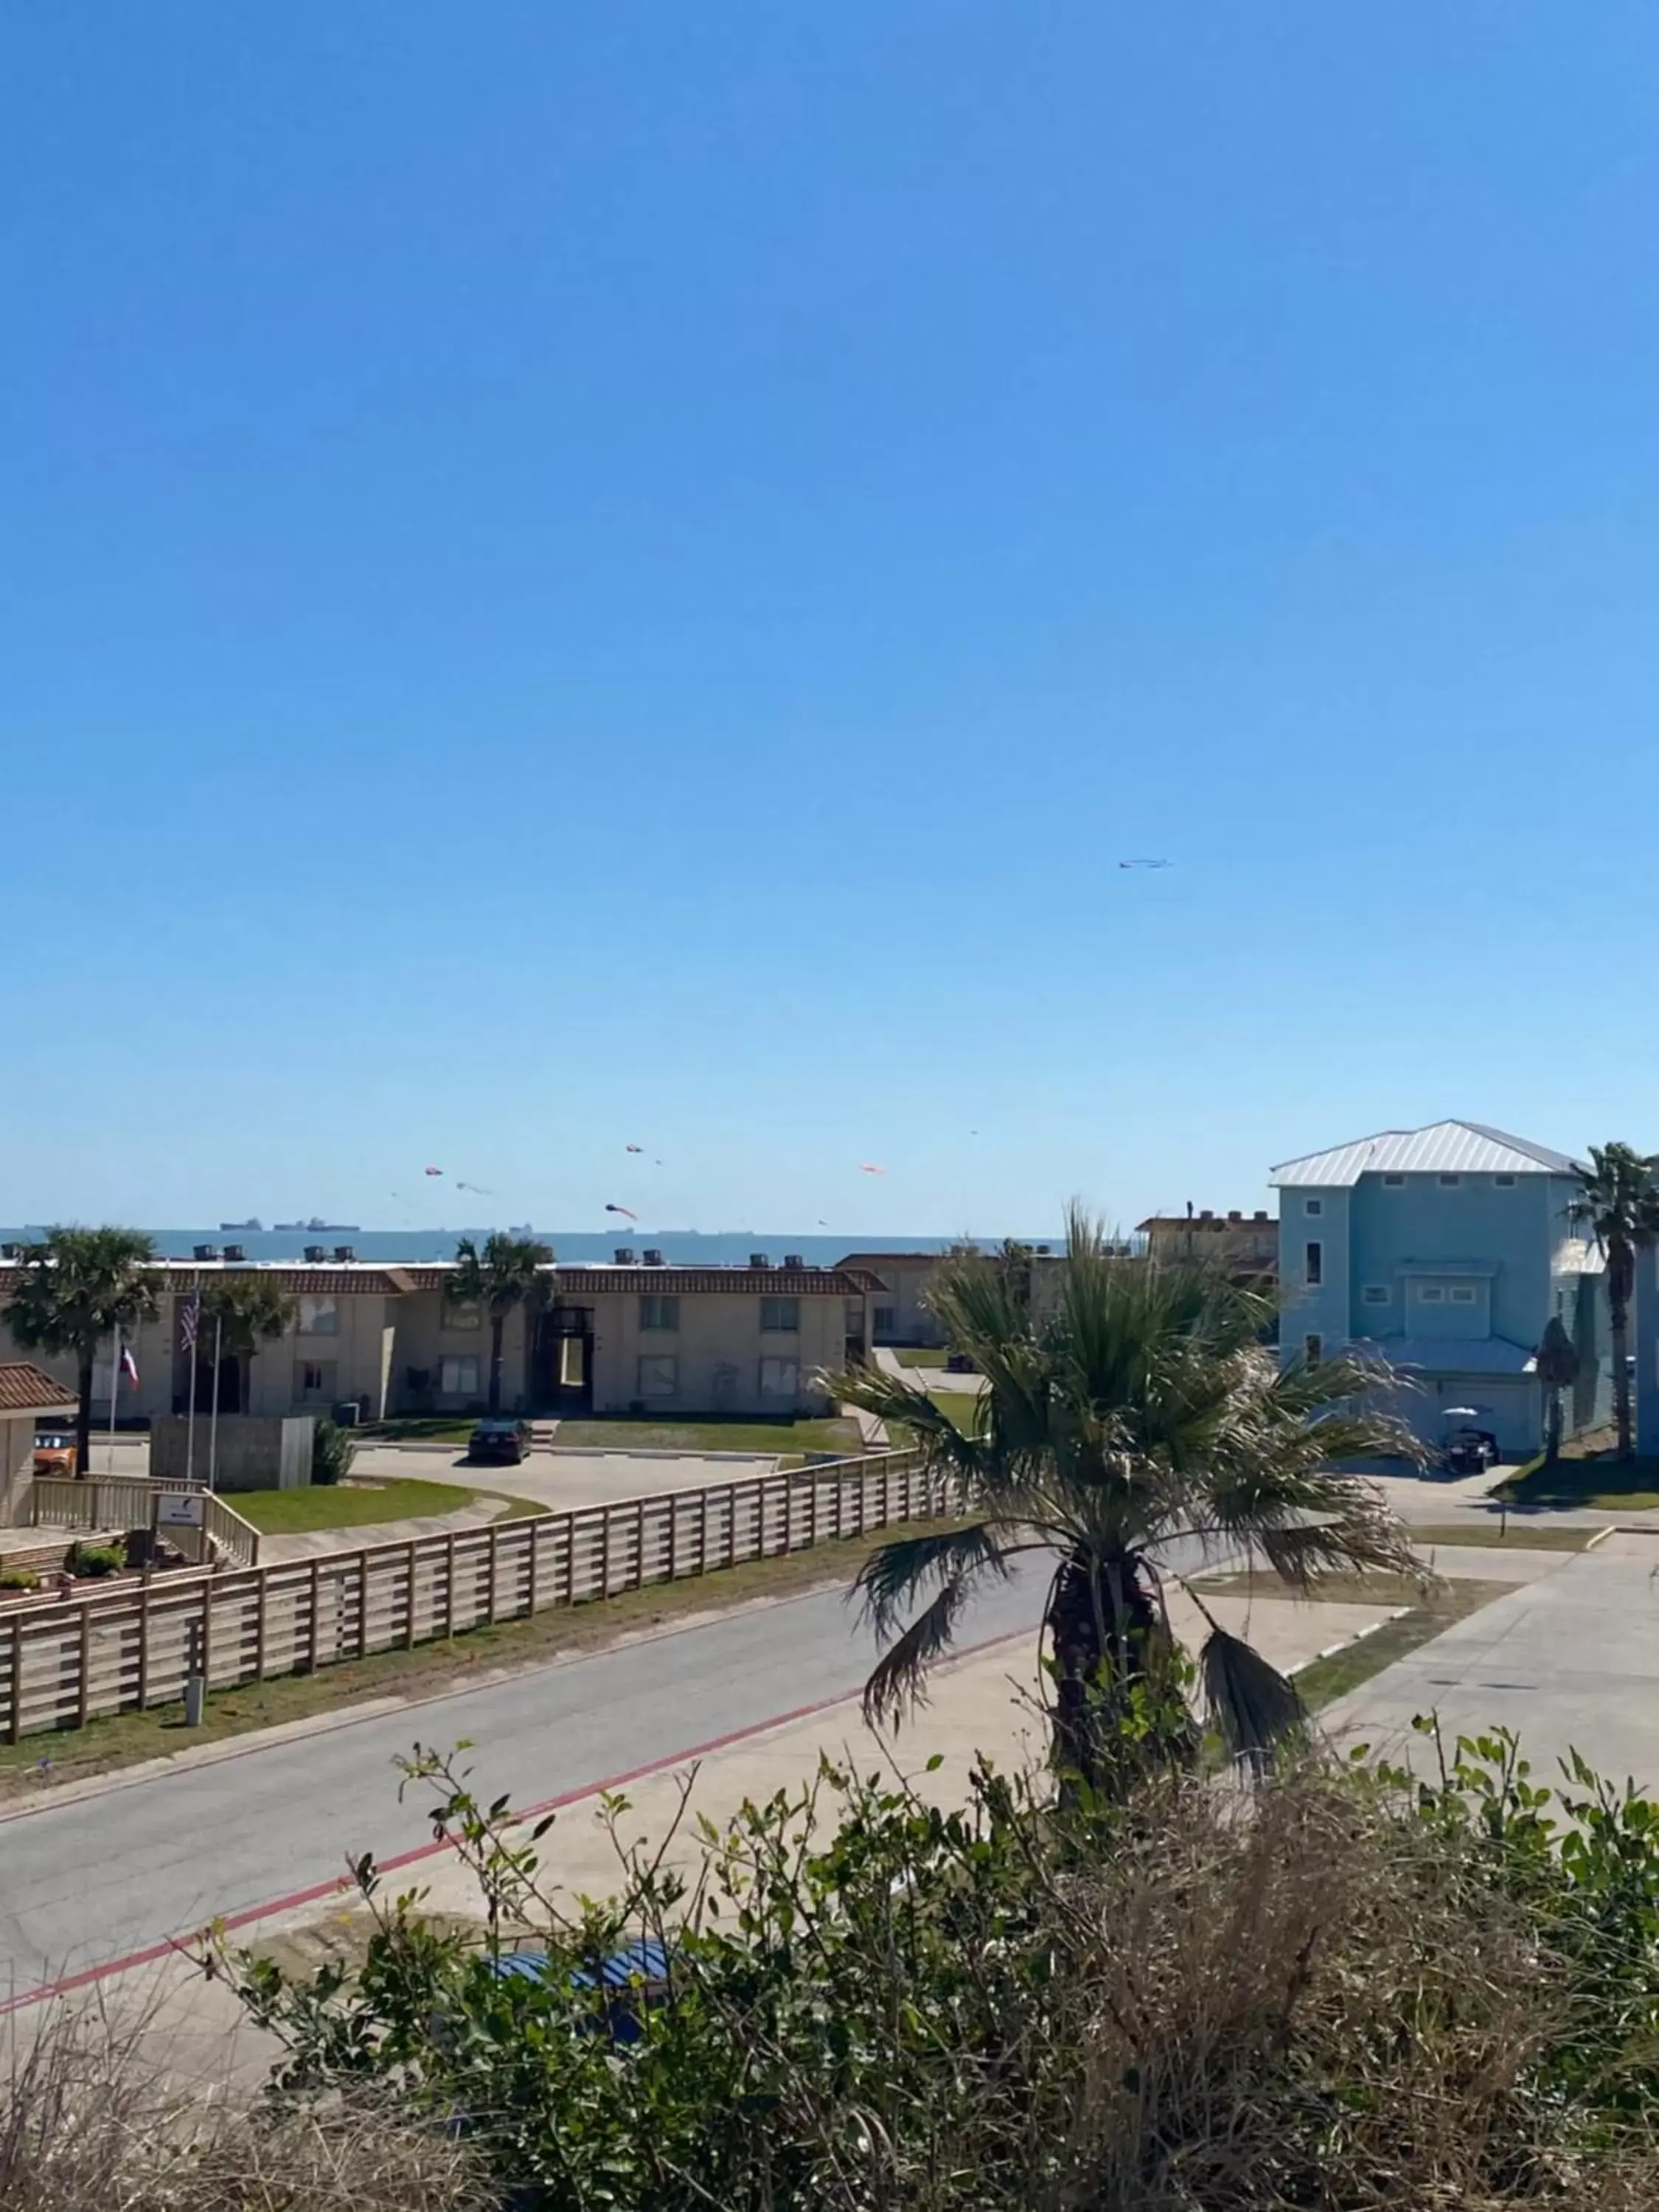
{"x":506,"y":1275}
{"x":1141,"y":1410}
{"x":1558,"y":1363}
{"x":239,"y":1314}
{"x":1619,"y":1202}
{"x":76,"y":1287}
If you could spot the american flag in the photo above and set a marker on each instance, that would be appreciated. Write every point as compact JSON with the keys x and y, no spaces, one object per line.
{"x":190,"y":1317}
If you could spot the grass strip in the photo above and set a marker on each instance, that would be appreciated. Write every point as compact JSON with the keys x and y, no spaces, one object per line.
{"x":1522,"y":1535}
{"x":1324,"y":1680}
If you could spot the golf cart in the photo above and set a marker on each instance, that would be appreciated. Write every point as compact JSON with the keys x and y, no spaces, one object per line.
{"x":1466,"y":1449}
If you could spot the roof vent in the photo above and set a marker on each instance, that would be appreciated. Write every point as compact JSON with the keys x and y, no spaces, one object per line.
{"x":1042,"y":1250}
{"x":316,"y":1253}
{"x":234,"y":1252}
{"x":1205,"y":1215}
{"x":344,"y":1255}
{"x":1235,"y":1215}
{"x":624,"y":1255}
{"x":205,"y":1251}
{"x":1261,"y":1214}
{"x":758,"y":1260}
{"x":653,"y":1257}
{"x":11,"y":1251}
{"x":793,"y":1260}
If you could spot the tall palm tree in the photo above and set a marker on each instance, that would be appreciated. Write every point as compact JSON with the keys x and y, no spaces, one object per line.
{"x":239,"y":1314}
{"x":507,"y":1274}
{"x":1618,"y":1202}
{"x":76,"y":1287}
{"x":1558,"y":1363}
{"x":1138,"y":1409}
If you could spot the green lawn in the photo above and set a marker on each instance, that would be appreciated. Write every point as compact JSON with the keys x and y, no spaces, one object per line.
{"x":1593,"y":1479}
{"x":430,"y":1428}
{"x":961,"y":1406}
{"x":347,"y":1505}
{"x":829,"y":1436}
{"x":1521,"y":1534}
{"x":919,"y":1355}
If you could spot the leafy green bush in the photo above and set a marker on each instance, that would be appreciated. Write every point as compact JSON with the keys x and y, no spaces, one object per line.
{"x":19,"y":1578}
{"x":90,"y":1561}
{"x":333,"y":1452}
{"x":1338,"y":1990}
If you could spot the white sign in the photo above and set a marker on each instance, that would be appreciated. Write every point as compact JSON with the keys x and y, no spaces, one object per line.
{"x":181,"y":1509}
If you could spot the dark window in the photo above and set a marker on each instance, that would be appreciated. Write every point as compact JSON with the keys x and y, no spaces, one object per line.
{"x":1313,"y":1350}
{"x":1313,"y":1266}
{"x":780,"y":1316}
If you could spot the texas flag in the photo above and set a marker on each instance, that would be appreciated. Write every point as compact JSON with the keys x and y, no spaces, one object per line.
{"x":129,"y":1366}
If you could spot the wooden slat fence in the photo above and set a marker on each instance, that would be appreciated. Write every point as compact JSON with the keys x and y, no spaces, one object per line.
{"x":64,"y":1664}
{"x":130,"y":1502}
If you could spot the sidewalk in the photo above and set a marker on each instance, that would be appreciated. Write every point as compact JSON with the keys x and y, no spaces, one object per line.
{"x":316,"y":1543}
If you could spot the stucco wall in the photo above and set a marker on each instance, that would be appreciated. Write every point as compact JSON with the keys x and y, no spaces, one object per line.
{"x":719,"y":1346}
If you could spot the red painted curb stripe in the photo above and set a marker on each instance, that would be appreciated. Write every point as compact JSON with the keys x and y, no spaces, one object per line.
{"x":339,"y":1883}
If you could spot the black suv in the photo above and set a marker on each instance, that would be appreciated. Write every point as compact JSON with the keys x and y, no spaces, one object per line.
{"x":504,"y":1442}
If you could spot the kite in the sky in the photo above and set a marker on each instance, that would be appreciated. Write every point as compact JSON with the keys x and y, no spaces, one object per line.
{"x":633,"y":1148}
{"x":437,"y":1171}
{"x":869,"y":1167}
{"x":1145,"y":864}
{"x":628,"y":1210}
{"x":477,"y":1189}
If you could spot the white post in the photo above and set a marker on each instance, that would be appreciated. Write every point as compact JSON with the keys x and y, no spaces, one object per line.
{"x":190,"y":1409}
{"x":213,"y":1426}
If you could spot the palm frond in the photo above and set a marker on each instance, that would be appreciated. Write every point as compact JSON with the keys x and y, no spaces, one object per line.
{"x":898,"y":1680}
{"x":891,"y":1577}
{"x":1254,"y":1705}
{"x":1355,"y":1544}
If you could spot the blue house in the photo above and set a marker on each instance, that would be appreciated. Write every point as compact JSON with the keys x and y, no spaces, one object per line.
{"x":1445,"y":1251}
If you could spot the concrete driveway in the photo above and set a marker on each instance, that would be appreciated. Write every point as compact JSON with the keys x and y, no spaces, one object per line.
{"x":564,"y":1480}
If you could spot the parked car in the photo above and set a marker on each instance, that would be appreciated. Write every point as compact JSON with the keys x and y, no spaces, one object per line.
{"x":499,"y":1443}
{"x":1471,"y":1451}
{"x":959,"y":1363}
{"x":630,"y":1981}
{"x":54,"y":1453}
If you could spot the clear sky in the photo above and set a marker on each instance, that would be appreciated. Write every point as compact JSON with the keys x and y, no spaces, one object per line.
{"x":625,"y":571}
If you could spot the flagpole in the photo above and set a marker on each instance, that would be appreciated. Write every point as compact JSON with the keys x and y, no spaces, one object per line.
{"x":190,"y":1424}
{"x":213,"y":1429}
{"x":114,"y":1391}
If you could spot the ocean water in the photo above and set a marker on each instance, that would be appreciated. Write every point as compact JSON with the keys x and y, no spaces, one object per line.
{"x":682,"y":1247}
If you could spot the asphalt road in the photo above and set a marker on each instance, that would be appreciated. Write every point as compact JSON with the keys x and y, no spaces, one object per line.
{"x":84,"y":1883}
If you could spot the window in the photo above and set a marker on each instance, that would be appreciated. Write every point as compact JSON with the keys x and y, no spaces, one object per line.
{"x":1313,"y":1206}
{"x":319,"y":1317}
{"x":1376,"y":1294}
{"x":780,"y":1316}
{"x":459,"y":1378}
{"x":315,"y":1379}
{"x":656,"y":1311}
{"x":1431,"y":1294}
{"x":1313,"y":1350}
{"x":659,"y":1375}
{"x":1503,"y":1182}
{"x":1448,"y":1182}
{"x":1313,"y":1266}
{"x":1463,"y":1294}
{"x":885,"y":1320}
{"x":779,"y":1378}
{"x":460,"y":1315}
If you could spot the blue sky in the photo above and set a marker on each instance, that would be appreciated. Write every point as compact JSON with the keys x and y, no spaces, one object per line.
{"x":627,"y":573}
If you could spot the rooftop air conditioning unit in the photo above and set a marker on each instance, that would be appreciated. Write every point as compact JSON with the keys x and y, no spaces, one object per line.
{"x":758,"y":1260}
{"x":315,"y":1252}
{"x":624,"y":1255}
{"x":234,"y":1252}
{"x":1234,"y":1216}
{"x":11,"y":1251}
{"x":1262,"y":1214}
{"x":793,"y":1260}
{"x":205,"y":1251}
{"x":653,"y":1257}
{"x":344,"y":1255}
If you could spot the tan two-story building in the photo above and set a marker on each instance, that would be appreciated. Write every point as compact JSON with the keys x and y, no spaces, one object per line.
{"x":657,"y":1339}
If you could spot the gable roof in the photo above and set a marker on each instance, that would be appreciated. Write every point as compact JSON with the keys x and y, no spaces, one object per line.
{"x":26,"y":1388}
{"x":1443,"y":1147}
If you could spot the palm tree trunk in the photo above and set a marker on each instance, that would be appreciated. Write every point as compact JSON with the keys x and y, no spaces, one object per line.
{"x":1621,"y":1412}
{"x":497,"y":1327}
{"x":1110,"y":1720}
{"x":1553,"y":1423}
{"x":83,"y":1415}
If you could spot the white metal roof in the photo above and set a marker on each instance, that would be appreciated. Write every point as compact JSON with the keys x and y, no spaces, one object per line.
{"x":1443,"y":1148}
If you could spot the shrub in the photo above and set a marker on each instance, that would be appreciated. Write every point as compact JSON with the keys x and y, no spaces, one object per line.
{"x":19,"y":1578}
{"x":333,"y":1449}
{"x":1336,"y":1991}
{"x":88,"y":1561}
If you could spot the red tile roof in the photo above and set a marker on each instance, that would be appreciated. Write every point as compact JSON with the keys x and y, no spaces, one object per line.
{"x":363,"y":1281}
{"x":26,"y":1388}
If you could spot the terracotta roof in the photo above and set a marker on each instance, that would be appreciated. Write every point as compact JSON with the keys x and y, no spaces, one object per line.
{"x":389,"y":1282}
{"x":179,"y":1274}
{"x":747,"y":1282}
{"x":26,"y":1388}
{"x":1203,"y":1223}
{"x":890,"y":1259}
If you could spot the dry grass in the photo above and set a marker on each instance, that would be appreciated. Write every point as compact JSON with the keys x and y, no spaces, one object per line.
{"x":87,"y":2128}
